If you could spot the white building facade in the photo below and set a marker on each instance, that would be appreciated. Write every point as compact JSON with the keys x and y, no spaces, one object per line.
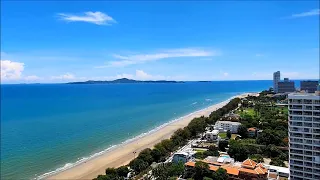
{"x":304,"y":135}
{"x":224,"y":126}
{"x":276,"y":79}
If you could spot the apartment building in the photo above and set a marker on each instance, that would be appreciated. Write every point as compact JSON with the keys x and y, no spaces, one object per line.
{"x":276,"y":79}
{"x":308,"y":86}
{"x":304,"y":135}
{"x":224,"y":126}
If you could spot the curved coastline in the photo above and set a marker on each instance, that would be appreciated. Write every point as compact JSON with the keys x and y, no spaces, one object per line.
{"x":121,"y":154}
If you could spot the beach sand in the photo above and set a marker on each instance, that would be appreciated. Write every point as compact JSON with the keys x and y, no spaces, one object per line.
{"x":123,"y":154}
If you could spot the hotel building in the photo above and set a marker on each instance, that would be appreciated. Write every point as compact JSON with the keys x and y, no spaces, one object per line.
{"x":304,"y":135}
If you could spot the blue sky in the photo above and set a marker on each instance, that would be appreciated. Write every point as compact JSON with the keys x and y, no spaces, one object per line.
{"x":74,"y":41}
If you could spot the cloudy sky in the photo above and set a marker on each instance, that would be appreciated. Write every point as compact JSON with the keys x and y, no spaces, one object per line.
{"x":67,"y":41}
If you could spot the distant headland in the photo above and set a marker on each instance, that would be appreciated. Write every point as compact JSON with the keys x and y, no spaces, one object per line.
{"x":123,"y":80}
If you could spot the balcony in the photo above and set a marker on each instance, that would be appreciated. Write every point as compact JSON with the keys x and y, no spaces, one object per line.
{"x":316,"y":119}
{"x":296,"y":157}
{"x":295,"y":118}
{"x":297,"y":173}
{"x":316,"y":113}
{"x":316,"y":130}
{"x":317,"y":102}
{"x":308,"y":159}
{"x":307,"y":101}
{"x":299,"y":107}
{"x":305,"y":113}
{"x":308,"y":164}
{"x":316,"y":148}
{"x":307,"y":175}
{"x":307,"y":124}
{"x":308,"y":141}
{"x":309,"y":153}
{"x":316,"y":142}
{"x":296,"y":124}
{"x":308,"y":136}
{"x":316,"y":107}
{"x":316,"y":125}
{"x":307,"y":147}
{"x":296,"y":151}
{"x":316,"y":171}
{"x":295,"y":101}
{"x":295,"y":113}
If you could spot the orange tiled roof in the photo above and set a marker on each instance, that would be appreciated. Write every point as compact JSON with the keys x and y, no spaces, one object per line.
{"x":231,"y":170}
{"x":213,"y":168}
{"x":190,"y":163}
{"x":249,"y":163}
{"x":252,"y":129}
{"x":261,"y":169}
{"x":246,"y":170}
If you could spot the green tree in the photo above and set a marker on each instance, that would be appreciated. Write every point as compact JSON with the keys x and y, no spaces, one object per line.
{"x":229,"y":134}
{"x":138,"y":165}
{"x":122,"y":171}
{"x":223,"y":145}
{"x":242,"y":131}
{"x":257,"y":158}
{"x":277,"y":162}
{"x":201,"y":170}
{"x":237,"y":150}
{"x":220,"y":174}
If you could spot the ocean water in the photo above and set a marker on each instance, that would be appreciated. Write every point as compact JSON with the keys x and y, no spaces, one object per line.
{"x":48,"y":127}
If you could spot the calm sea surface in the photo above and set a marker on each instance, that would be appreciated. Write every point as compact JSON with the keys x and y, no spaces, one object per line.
{"x":49,"y":126}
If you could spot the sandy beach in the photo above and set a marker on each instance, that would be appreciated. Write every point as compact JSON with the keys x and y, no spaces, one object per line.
{"x":123,"y":154}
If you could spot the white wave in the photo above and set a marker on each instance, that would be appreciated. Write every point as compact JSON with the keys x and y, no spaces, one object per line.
{"x":84,"y":159}
{"x":208,"y":99}
{"x":194,"y":103}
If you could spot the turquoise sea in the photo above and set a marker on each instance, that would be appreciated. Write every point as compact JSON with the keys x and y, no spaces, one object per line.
{"x":48,"y":127}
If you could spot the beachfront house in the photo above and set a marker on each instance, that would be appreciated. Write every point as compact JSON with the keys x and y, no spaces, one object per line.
{"x":183,"y":157}
{"x":224,"y":126}
{"x":212,"y":136}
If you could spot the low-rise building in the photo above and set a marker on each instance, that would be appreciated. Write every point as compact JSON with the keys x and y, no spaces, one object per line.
{"x":248,"y":169}
{"x":212,"y":135}
{"x":182,"y":157}
{"x":224,"y":126}
{"x":252,"y":132}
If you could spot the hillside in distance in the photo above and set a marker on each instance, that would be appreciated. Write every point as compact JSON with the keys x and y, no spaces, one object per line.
{"x":123,"y":80}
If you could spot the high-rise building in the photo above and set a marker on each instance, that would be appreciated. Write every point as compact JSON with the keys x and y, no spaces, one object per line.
{"x":309,"y":86}
{"x":304,"y":135}
{"x":286,"y":86}
{"x":276,"y":79}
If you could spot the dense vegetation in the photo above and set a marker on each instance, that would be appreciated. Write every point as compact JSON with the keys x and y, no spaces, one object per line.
{"x":262,"y":113}
{"x":163,"y":149}
{"x":202,"y":172}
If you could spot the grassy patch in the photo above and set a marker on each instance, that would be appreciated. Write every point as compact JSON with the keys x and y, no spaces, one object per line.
{"x":233,"y":136}
{"x":223,"y":135}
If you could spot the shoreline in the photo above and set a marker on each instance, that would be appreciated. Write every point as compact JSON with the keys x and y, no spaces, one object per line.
{"x":122,"y":154}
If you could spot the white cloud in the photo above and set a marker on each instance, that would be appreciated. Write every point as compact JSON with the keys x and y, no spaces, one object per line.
{"x":32,"y":78}
{"x":125,"y":60}
{"x":225,"y":74}
{"x":11,"y":70}
{"x":67,"y":76}
{"x":98,"y":18}
{"x":313,"y":12}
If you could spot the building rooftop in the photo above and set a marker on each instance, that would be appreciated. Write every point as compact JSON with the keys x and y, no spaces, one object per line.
{"x":304,"y":94}
{"x":229,"y":122}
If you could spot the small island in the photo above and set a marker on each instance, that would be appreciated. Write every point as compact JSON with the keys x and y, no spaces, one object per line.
{"x":123,"y":80}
